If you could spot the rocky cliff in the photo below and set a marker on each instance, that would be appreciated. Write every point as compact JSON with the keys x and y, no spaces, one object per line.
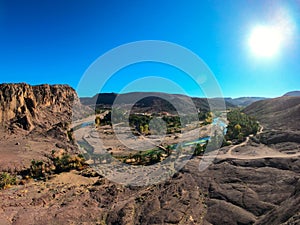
{"x":28,"y":106}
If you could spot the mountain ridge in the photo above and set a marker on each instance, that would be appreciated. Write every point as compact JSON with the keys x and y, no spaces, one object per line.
{"x":201,"y":103}
{"x":292,"y":93}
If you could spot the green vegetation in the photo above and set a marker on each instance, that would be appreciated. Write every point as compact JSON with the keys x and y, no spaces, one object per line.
{"x":199,"y":149}
{"x":208,"y":118}
{"x":58,"y":162}
{"x":66,"y":162}
{"x":156,"y":155}
{"x":106,"y":120}
{"x":37,"y":169}
{"x":240,"y":126}
{"x":146,"y":158}
{"x":140,"y":122}
{"x":174,"y":123}
{"x":6,"y":180}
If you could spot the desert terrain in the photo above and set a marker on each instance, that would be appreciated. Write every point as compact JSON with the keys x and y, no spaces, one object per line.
{"x":255,"y":181}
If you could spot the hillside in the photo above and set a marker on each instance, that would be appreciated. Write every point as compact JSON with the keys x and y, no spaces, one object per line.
{"x":281,"y":113}
{"x":293,"y":93}
{"x":34,"y":121}
{"x":154,"y":101}
{"x":28,"y":106}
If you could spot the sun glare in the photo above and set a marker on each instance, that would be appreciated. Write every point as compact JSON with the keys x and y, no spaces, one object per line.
{"x":265,"y":41}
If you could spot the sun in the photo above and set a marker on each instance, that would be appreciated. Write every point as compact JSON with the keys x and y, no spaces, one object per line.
{"x":265,"y":41}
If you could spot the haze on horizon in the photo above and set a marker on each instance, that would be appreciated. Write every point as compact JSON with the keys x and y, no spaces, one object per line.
{"x":251,"y":47}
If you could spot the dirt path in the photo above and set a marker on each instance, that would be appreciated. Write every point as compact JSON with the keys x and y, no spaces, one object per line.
{"x":254,"y":152}
{"x":236,"y":146}
{"x":229,"y":153}
{"x":249,"y":157}
{"x":260,"y":130}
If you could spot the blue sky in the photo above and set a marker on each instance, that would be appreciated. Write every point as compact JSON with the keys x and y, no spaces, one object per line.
{"x":56,"y":41}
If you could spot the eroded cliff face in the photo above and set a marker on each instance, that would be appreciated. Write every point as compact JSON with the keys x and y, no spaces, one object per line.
{"x":27,"y":106}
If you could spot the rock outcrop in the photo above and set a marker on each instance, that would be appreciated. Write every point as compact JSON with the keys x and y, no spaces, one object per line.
{"x":28,"y":106}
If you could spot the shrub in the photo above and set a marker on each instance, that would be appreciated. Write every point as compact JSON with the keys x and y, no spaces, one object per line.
{"x":199,"y":150}
{"x":59,"y":162}
{"x":37,"y":169}
{"x":67,"y":162}
{"x":6,"y":180}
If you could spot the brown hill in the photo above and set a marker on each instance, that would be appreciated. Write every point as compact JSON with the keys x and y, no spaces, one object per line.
{"x":33,"y":122}
{"x":243,"y":101}
{"x":292,"y":93}
{"x":281,"y":113}
{"x":156,"y":101}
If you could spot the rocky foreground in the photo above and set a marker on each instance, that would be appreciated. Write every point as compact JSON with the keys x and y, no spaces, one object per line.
{"x":245,"y":187}
{"x":230,"y":191}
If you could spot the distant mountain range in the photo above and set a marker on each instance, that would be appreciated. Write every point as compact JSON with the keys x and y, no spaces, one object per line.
{"x":156,"y":100}
{"x":244,"y":101}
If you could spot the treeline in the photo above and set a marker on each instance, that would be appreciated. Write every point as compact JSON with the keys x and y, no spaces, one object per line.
{"x":240,"y":126}
{"x":140,"y":122}
{"x":172,"y":123}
